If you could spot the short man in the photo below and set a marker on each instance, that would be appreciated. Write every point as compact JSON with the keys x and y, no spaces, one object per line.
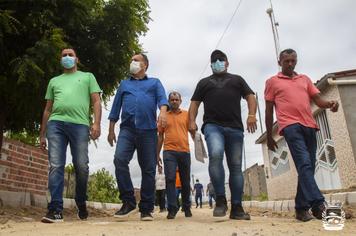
{"x":291,"y":94}
{"x":210,"y":192}
{"x":176,"y":153}
{"x":137,"y":98}
{"x":66,"y":120}
{"x":161,"y":189}
{"x":198,"y":190}
{"x":221,"y":94}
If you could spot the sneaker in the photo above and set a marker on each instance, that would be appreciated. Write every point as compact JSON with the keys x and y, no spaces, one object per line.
{"x":188,"y":213}
{"x":303,"y":215}
{"x":52,"y":217}
{"x":146,"y":216}
{"x":238,"y":213}
{"x":171,"y":214}
{"x":126,"y":210}
{"x":82,"y":212}
{"x":220,"y":207}
{"x":318,"y":211}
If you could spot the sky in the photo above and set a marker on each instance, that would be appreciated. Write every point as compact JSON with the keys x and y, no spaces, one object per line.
{"x":182,"y":35}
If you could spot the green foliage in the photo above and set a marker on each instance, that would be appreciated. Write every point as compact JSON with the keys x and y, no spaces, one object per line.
{"x":104,"y":34}
{"x":246,"y":198}
{"x":102,"y":187}
{"x":262,"y":197}
{"x":69,"y":181}
{"x":29,"y":138}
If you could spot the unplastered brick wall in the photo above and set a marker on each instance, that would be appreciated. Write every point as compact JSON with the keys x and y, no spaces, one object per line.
{"x":23,"y":168}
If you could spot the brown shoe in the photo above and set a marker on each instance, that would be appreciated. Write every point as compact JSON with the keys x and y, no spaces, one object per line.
{"x":303,"y":215}
{"x":318,"y":211}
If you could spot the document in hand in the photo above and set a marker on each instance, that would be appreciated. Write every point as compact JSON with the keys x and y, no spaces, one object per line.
{"x":200,"y":152}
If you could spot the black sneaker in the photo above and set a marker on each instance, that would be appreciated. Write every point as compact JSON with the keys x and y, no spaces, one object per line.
{"x":238,"y":213}
{"x":82,"y":212}
{"x":171,"y":214}
{"x":220,"y":207}
{"x":52,"y":217}
{"x":318,"y":211}
{"x":188,"y":213}
{"x":303,"y":215}
{"x":146,"y":216}
{"x":126,"y":210}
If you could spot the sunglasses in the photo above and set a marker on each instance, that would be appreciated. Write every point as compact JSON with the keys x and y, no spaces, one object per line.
{"x":218,"y":58}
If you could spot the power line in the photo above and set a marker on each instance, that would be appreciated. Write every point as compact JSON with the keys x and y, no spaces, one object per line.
{"x":223,"y":34}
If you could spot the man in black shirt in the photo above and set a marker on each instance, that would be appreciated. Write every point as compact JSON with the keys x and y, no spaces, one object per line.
{"x":221,"y":94}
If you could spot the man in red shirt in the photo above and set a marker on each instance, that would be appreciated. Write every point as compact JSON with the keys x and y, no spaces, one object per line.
{"x":291,"y":94}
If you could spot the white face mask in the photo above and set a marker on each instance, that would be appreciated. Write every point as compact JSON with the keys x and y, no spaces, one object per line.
{"x":135,"y":67}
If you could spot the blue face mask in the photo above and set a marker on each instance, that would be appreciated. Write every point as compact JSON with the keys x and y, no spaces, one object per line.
{"x":68,"y":62}
{"x":218,"y":66}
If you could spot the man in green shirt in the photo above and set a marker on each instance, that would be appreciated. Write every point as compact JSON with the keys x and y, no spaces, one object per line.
{"x":66,"y":119}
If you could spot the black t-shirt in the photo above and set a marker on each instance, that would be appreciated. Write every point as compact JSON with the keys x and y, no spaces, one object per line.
{"x":221,"y":95}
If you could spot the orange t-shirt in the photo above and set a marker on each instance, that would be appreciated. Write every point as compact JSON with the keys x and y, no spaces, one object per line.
{"x":176,"y":132}
{"x":178,"y":183}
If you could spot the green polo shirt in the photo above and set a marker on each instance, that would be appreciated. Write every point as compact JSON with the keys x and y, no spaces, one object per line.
{"x":70,"y":94}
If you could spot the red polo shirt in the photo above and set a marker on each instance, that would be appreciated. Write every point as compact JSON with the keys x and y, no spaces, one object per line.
{"x":292,"y":97}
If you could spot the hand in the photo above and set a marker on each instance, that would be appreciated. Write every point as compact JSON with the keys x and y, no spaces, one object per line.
{"x":271,"y":144}
{"x":162,"y":119}
{"x":193,"y":128}
{"x":333,"y":105}
{"x":111,"y":138}
{"x":251,"y":123}
{"x":95,"y":131}
{"x":159,"y":161}
{"x":43,"y":143}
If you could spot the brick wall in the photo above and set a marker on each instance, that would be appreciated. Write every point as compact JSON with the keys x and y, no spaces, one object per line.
{"x":23,"y":168}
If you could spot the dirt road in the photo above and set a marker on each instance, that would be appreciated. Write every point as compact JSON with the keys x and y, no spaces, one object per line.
{"x":26,"y":222}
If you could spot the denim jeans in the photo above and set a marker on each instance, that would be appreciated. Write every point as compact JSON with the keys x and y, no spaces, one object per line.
{"x":171,"y":160}
{"x":301,"y":141}
{"x":145,"y":142}
{"x":211,"y":197}
{"x":59,"y":134}
{"x":221,"y":139}
{"x":198,"y":197}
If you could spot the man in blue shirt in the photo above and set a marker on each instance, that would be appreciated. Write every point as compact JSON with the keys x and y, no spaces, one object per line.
{"x":137,"y":98}
{"x":198,"y":189}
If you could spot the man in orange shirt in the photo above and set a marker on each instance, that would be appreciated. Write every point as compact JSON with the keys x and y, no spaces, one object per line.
{"x":175,"y":154}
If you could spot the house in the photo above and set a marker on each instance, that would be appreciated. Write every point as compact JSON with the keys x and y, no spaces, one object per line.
{"x":255,"y":181}
{"x":336,"y":143}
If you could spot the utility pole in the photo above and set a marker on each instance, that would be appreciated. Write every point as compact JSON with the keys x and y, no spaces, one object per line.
{"x":274,"y":31}
{"x":259,"y":113}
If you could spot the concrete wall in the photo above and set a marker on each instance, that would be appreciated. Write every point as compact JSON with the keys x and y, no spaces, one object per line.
{"x":23,"y":168}
{"x":341,"y":136}
{"x":255,"y":181}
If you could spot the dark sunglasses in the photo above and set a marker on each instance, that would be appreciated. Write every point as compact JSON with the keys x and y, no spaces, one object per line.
{"x":218,"y":58}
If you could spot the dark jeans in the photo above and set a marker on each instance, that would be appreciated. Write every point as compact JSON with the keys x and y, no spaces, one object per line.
{"x":161,"y":198}
{"x":145,"y":142}
{"x":302,"y":145}
{"x":221,"y":139}
{"x":171,"y":160}
{"x":211,"y":197}
{"x":59,"y":134}
{"x":198,"y":197}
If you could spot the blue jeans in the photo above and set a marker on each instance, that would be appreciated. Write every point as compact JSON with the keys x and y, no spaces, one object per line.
{"x":221,"y":139}
{"x":59,"y":134}
{"x":211,"y":197}
{"x":198,"y":197}
{"x":171,"y":160}
{"x":145,"y":142}
{"x":301,"y":141}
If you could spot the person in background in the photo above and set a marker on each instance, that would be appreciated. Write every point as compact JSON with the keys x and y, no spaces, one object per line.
{"x":161,"y":189}
{"x":210,"y":192}
{"x":199,"y":191}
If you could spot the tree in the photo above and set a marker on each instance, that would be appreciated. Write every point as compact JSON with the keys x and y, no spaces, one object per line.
{"x":102,"y":187}
{"x":69,"y":170}
{"x":104,"y":33}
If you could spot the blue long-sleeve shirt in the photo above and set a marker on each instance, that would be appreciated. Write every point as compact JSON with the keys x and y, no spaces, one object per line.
{"x":138,"y":101}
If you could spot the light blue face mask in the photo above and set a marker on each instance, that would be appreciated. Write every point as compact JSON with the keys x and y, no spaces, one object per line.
{"x":68,"y":62}
{"x":218,"y":66}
